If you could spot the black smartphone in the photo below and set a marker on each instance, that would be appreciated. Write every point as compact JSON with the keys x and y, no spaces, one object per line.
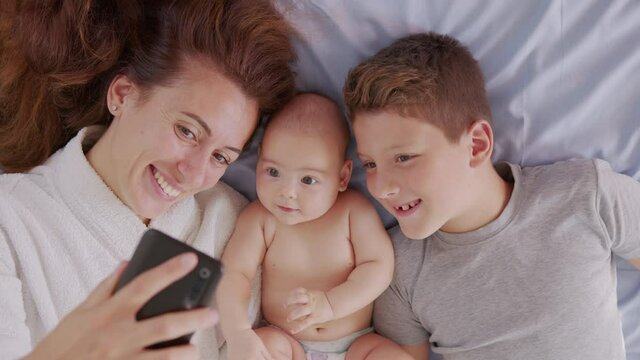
{"x":192,"y":291}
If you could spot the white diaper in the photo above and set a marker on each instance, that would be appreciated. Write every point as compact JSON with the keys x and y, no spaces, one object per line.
{"x":331,"y":350}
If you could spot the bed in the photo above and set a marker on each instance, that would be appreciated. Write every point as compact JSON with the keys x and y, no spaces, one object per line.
{"x":562,"y":78}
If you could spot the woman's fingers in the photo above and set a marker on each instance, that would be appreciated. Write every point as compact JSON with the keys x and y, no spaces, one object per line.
{"x":172,"y":325}
{"x":145,"y":286}
{"x":184,"y":352}
{"x":104,"y":290}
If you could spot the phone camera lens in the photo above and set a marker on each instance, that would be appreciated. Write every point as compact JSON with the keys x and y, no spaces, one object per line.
{"x":205,"y":273}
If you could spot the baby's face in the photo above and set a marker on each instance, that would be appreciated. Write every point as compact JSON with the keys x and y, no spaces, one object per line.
{"x":299,"y":176}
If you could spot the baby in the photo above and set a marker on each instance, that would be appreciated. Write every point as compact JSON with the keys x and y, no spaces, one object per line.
{"x":324,"y":253}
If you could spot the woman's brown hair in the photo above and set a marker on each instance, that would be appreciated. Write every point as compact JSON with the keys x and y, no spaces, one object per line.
{"x":57,"y":59}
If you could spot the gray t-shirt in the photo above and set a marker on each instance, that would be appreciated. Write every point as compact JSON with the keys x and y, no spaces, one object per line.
{"x":538,"y":282}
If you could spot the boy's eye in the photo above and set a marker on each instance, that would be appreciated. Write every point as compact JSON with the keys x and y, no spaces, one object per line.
{"x":369,"y":165}
{"x":308,"y":180}
{"x":220,"y":158}
{"x":185,"y":132}
{"x":273,"y":172}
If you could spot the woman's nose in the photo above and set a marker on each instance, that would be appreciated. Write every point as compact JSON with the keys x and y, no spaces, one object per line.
{"x":193,"y":168}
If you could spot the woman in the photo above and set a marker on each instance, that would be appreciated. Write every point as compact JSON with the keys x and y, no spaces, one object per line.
{"x":176,"y":88}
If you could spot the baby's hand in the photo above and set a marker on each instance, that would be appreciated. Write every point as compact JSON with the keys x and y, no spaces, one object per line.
{"x":306,"y":308}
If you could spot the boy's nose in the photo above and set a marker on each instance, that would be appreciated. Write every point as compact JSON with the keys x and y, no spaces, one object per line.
{"x":382,"y":186}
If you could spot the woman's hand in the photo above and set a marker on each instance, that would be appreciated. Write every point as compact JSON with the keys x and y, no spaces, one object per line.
{"x":104,"y":326}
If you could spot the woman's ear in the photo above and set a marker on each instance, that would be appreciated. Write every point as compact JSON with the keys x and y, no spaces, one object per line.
{"x":119,"y":93}
{"x":345,"y":174}
{"x":480,"y":137}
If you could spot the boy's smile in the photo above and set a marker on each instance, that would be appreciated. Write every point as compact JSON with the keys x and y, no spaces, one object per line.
{"x":407,"y":209}
{"x":414,"y":171}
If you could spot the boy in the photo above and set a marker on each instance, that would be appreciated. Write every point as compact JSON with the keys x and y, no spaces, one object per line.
{"x":324,"y":253}
{"x":491,"y":262}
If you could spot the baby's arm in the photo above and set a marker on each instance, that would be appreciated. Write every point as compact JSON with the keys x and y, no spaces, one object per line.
{"x":241,"y":258}
{"x":374,"y":260}
{"x":371,"y":276}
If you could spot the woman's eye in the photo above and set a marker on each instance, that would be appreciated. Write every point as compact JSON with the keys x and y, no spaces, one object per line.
{"x":273,"y":172}
{"x":185,"y":132}
{"x":221,"y":159}
{"x":308,"y":180}
{"x":403,"y":158}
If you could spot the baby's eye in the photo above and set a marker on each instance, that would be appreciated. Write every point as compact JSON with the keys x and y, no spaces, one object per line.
{"x":220,"y":158}
{"x":185,"y":132}
{"x":403,"y":158}
{"x":308,"y":180}
{"x":273,"y":172}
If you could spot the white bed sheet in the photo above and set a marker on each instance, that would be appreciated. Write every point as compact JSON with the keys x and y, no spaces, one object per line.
{"x":562,"y":78}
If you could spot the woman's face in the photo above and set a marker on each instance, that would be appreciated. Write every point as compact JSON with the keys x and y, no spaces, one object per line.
{"x":175,"y":142}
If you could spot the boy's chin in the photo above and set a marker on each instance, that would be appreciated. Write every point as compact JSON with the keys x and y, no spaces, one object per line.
{"x":417,"y":232}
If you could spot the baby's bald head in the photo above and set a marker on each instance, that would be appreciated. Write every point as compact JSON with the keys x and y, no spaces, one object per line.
{"x":312,"y":114}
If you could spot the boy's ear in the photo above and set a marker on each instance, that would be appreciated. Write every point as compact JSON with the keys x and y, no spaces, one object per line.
{"x":480,"y":135}
{"x":121,"y":90}
{"x":345,"y":174}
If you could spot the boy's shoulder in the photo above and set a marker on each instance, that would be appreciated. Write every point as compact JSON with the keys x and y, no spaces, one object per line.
{"x":580,"y":175}
{"x":566,"y":167}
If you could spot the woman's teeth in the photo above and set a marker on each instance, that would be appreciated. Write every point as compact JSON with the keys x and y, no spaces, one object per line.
{"x":166,"y":188}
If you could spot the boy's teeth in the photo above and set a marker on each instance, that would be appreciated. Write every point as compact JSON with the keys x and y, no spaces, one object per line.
{"x":166,"y":188}
{"x":408,"y":206}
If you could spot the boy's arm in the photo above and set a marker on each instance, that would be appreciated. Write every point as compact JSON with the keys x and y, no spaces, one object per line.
{"x":618,"y":204}
{"x":373,"y":256}
{"x":241,"y":258}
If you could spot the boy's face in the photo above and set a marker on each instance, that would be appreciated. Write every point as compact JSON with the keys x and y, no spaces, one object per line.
{"x":414,"y":171}
{"x":299,"y":176}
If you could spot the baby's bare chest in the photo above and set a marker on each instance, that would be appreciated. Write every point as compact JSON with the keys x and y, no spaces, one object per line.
{"x":321,"y":255}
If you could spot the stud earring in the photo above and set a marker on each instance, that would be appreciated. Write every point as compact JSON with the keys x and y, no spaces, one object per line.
{"x":114,"y":108}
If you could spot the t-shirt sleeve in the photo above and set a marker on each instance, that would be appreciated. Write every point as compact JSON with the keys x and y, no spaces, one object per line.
{"x":393,"y":317}
{"x":618,"y":204}
{"x":15,"y":340}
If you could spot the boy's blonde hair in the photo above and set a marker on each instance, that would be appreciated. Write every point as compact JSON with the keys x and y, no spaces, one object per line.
{"x":430,"y":76}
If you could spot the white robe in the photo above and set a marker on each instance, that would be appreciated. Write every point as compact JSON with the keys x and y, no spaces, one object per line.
{"x":62,"y":231}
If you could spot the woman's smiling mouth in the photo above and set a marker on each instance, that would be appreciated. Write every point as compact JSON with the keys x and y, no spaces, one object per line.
{"x":164,"y":186}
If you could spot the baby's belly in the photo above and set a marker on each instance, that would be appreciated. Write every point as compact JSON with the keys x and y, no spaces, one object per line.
{"x":330,"y":330}
{"x":274,"y":297}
